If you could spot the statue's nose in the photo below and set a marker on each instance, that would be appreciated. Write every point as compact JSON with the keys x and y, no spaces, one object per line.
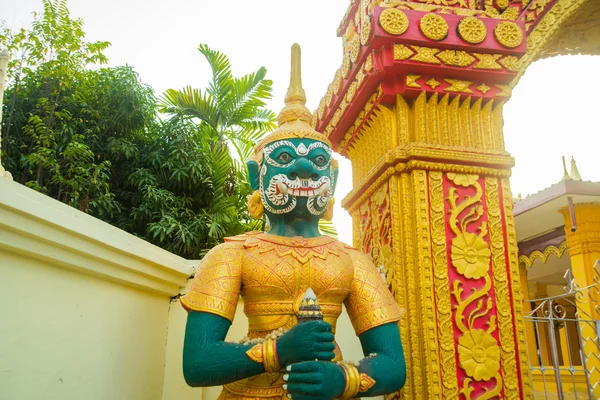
{"x":302,"y":168}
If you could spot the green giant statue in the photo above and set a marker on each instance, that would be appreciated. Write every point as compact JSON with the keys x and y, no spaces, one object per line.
{"x":293,"y":177}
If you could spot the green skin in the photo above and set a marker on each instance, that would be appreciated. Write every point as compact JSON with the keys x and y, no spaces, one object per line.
{"x":306,"y":350}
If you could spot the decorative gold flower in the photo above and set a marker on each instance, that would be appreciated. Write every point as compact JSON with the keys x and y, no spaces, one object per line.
{"x":393,"y":21}
{"x":472,"y":30}
{"x":479,"y":354}
{"x":462,"y":179}
{"x":470,"y":255}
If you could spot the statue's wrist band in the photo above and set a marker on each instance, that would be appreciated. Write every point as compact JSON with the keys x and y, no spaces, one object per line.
{"x":269,"y":355}
{"x":352,"y":381}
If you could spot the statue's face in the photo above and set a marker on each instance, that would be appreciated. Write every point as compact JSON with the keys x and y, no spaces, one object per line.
{"x":296,"y":176}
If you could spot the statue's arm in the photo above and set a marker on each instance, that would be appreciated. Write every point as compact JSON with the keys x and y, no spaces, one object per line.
{"x":210,"y":361}
{"x":385,"y":362}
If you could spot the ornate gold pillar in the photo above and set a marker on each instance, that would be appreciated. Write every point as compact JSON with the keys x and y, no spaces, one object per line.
{"x":583,"y":238}
{"x":417,"y":107}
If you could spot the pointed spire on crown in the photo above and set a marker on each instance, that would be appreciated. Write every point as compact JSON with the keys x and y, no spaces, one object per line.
{"x":566,"y":175}
{"x":295,"y":98}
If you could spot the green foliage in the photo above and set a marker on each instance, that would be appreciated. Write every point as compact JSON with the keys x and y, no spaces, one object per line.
{"x":91,"y":137}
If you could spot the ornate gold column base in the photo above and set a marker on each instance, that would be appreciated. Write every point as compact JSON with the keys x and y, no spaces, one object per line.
{"x":584,"y":250}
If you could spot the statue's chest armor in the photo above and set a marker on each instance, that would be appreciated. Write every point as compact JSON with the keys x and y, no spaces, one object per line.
{"x":275,"y":277}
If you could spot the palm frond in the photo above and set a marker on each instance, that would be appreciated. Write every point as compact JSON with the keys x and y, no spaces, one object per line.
{"x":327,"y":228}
{"x":190,"y":102}
{"x":222,"y":80}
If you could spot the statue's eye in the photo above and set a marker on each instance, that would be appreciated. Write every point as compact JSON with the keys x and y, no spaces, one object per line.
{"x":320,"y":160}
{"x":284,"y":157}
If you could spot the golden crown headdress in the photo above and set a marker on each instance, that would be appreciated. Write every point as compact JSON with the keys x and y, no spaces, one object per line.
{"x":294,"y":120}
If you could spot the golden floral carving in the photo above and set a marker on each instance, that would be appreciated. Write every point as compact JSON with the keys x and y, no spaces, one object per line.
{"x":321,"y":109}
{"x":345,"y":65}
{"x":511,"y":63}
{"x":511,"y":13}
{"x":483,"y":88}
{"x":432,"y":83}
{"x":351,"y":92}
{"x":501,"y":288}
{"x":393,"y":21}
{"x":434,"y":27}
{"x":472,"y":30}
{"x":368,"y":63}
{"x":411,"y":81}
{"x":442,"y":286}
{"x":478,"y":350}
{"x":456,"y":58}
{"x":329,"y":95}
{"x":479,"y":354}
{"x":508,"y":34}
{"x":470,"y":255}
{"x":365,"y":30}
{"x":457,"y":85}
{"x":487,"y":61}
{"x":460,"y":3}
{"x":401,"y":52}
{"x":462,"y":179}
{"x":425,"y":55}
{"x":513,"y":254}
{"x":337,"y":82}
{"x":354,"y":48}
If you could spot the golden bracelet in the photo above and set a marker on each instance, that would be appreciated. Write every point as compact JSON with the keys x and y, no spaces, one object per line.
{"x":352,"y":381}
{"x":269,"y":353}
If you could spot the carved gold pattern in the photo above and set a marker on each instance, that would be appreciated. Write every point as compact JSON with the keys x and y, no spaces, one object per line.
{"x":329,"y":95}
{"x":366,"y":383}
{"x":483,"y":88}
{"x":365,"y":30}
{"x":472,"y":30}
{"x":320,"y":111}
{"x":478,"y":350}
{"x":411,"y":81}
{"x":256,"y":265}
{"x":442,"y":287}
{"x":505,"y":91}
{"x":425,"y":281}
{"x":337,"y":82}
{"x":402,"y":52}
{"x":511,"y":63}
{"x":517,"y":296}
{"x":479,"y":354}
{"x":425,"y":55}
{"x":354,"y":48}
{"x":501,"y":288}
{"x":255,"y":353}
{"x":508,"y":34}
{"x":542,"y":256}
{"x":460,"y":3}
{"x":487,"y":61}
{"x":457,"y":85}
{"x":432,"y":83}
{"x":434,"y":27}
{"x":346,"y":63}
{"x":393,"y":21}
{"x":456,"y":58}
{"x":368,"y":63}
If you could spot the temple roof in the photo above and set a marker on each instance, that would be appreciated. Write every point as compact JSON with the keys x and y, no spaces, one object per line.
{"x":538,"y":213}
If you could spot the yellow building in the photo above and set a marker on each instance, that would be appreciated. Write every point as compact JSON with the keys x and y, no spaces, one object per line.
{"x":558,"y":233}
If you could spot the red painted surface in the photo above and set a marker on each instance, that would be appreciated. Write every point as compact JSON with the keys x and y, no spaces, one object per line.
{"x":391,"y":74}
{"x":469,"y":284}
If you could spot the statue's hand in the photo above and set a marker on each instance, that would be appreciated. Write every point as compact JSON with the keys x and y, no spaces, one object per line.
{"x":314,"y":380}
{"x":306,"y":342}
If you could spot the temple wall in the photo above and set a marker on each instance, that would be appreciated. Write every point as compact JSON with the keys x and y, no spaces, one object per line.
{"x":84,"y":307}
